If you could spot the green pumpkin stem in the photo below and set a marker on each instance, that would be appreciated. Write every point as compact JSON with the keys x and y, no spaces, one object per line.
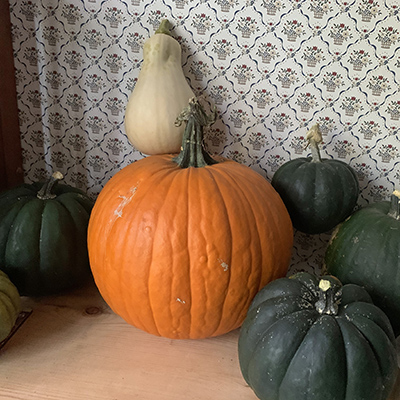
{"x":314,"y":137}
{"x":394,"y":210}
{"x":192,"y":152}
{"x":164,"y":27}
{"x":329,"y":296}
{"x":45,"y":193}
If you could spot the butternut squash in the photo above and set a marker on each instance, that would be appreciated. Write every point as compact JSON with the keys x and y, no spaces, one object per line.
{"x":160,"y":94}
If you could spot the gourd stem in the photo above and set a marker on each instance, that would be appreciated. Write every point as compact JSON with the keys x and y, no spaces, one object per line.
{"x":329,"y":297}
{"x":314,"y":137}
{"x":45,"y":193}
{"x":394,"y":210}
{"x":192,"y":152}
{"x":165,"y":27}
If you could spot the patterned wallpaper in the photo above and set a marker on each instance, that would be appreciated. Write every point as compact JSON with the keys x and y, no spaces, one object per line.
{"x":272,"y":67}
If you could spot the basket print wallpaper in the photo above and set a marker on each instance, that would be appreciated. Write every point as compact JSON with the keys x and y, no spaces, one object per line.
{"x":273,"y":68}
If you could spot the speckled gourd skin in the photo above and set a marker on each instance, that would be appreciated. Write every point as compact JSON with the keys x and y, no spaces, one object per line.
{"x":288,"y":350}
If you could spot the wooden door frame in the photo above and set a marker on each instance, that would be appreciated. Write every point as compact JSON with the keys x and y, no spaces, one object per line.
{"x":11,"y":172}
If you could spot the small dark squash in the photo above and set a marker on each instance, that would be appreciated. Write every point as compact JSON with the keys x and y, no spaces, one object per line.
{"x":306,"y":338}
{"x":318,"y":193}
{"x":43,"y":229}
{"x":365,"y":250}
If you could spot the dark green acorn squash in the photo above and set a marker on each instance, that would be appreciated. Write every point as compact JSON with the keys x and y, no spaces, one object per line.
{"x":365,"y":250}
{"x":306,"y":338}
{"x":10,"y":305}
{"x":318,"y":193}
{"x":43,"y":229}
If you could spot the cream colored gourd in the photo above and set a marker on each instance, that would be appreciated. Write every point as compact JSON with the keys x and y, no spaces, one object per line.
{"x":160,"y":94}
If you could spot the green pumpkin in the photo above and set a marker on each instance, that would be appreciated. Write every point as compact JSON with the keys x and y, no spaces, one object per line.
{"x":365,"y":250}
{"x":43,"y":228}
{"x":10,"y":305}
{"x":318,"y":193}
{"x":306,"y":338}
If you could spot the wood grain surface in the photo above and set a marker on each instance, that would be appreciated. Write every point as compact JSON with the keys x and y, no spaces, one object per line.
{"x":73,"y":347}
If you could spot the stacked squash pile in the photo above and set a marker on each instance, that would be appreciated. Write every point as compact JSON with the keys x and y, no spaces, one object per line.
{"x":331,"y":337}
{"x":179,"y":244}
{"x":185,"y":245}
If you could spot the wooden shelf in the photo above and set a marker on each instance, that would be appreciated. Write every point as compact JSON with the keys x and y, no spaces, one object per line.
{"x":75,"y":347}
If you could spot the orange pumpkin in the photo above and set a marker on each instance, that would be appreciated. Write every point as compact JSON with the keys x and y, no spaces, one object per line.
{"x":179,"y":250}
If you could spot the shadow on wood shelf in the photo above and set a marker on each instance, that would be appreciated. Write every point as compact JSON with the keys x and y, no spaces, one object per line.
{"x":74,"y":347}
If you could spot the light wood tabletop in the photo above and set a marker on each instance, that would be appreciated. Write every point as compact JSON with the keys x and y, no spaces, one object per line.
{"x":73,"y":347}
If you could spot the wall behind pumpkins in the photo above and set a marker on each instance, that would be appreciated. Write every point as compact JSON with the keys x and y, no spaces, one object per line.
{"x":272,"y":67}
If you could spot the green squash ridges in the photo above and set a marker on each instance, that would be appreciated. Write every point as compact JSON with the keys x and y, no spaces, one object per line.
{"x":318,"y":340}
{"x":43,"y":241}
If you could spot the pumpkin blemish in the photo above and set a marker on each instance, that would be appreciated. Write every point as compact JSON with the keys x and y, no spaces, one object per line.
{"x":224,"y":265}
{"x":125,"y":200}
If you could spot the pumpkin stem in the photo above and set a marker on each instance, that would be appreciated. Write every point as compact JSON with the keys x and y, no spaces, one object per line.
{"x":192,"y":151}
{"x":329,"y":295}
{"x":394,"y":210}
{"x":45,"y":193}
{"x":164,"y":27}
{"x":314,"y":137}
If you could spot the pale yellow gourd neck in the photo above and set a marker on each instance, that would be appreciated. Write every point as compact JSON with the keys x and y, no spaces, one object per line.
{"x":161,"y":50}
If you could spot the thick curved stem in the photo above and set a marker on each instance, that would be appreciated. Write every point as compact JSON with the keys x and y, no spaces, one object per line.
{"x":314,"y":137}
{"x":192,"y":151}
{"x":394,"y":210}
{"x":45,"y":193}
{"x":329,"y":295}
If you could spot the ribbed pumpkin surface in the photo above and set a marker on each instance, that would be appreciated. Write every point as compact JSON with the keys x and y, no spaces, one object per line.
{"x":181,"y":252}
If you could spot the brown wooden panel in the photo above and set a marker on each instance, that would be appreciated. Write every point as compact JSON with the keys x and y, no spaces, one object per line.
{"x":10,"y":142}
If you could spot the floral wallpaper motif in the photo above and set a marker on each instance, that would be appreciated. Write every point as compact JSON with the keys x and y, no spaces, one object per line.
{"x":273,"y":68}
